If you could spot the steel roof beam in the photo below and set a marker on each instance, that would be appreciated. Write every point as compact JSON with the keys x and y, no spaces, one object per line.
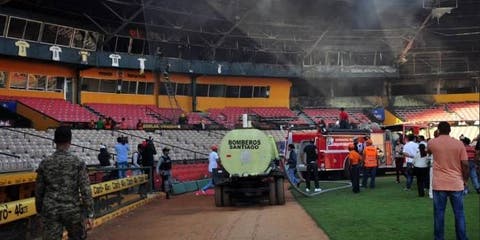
{"x":129,"y":20}
{"x":113,"y":11}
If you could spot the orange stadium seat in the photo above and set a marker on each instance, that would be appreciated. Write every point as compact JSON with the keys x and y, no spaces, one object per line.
{"x":57,"y":109}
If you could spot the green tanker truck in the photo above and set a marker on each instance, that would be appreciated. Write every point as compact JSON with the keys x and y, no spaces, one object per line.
{"x":250,"y":169}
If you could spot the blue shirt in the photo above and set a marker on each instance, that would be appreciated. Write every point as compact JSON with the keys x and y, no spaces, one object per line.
{"x":122,"y":152}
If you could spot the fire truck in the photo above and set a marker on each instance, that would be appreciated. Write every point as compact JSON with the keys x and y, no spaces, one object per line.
{"x":332,"y":146}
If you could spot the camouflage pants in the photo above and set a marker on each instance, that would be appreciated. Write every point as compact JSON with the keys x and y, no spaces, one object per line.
{"x":53,"y":227}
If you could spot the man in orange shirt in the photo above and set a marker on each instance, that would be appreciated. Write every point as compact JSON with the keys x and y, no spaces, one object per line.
{"x":355,"y":159}
{"x":450,"y":176}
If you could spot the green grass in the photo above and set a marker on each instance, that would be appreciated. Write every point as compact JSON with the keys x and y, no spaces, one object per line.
{"x":386,"y":212}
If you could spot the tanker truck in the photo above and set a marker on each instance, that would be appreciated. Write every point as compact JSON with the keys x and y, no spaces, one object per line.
{"x":249,"y":169}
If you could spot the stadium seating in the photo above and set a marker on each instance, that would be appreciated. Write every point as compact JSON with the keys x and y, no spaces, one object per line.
{"x":273,"y":112}
{"x":131,"y":113}
{"x":467,"y":131}
{"x":31,"y":146}
{"x":228,"y":117}
{"x":167,"y":114}
{"x":231,"y":116}
{"x":466,"y":111}
{"x":57,"y":109}
{"x":426,"y":114}
{"x":330,"y":115}
{"x":195,"y":118}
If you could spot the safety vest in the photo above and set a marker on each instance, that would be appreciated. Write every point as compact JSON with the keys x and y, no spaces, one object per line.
{"x":166,"y":163}
{"x":370,"y":156}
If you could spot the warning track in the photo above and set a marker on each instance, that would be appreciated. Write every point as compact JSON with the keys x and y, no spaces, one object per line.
{"x":196,"y":217}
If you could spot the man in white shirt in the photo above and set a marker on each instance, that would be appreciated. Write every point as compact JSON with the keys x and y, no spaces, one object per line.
{"x":212,"y":164}
{"x":410,"y":150}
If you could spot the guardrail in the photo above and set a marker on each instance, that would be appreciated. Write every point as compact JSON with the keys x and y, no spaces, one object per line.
{"x":25,"y":208}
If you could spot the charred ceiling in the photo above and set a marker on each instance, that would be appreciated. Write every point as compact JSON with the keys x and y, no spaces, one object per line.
{"x":274,"y":31}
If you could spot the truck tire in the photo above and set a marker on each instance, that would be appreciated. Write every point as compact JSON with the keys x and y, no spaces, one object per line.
{"x":272,"y":193}
{"x":346,"y":168}
{"x":218,"y":196}
{"x":279,"y":189}
{"x":227,"y":201}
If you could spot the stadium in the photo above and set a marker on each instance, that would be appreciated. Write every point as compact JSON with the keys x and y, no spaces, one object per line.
{"x":183,"y":74}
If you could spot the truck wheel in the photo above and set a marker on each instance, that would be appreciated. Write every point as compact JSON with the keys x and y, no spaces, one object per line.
{"x":227,"y":201}
{"x":218,"y":196}
{"x":272,"y":193}
{"x":346,"y":168}
{"x":279,"y":187}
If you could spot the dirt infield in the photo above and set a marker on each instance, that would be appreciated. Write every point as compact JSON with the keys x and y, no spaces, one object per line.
{"x":196,"y":217}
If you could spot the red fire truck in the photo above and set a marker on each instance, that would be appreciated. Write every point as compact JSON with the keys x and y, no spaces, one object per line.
{"x":333,"y":147}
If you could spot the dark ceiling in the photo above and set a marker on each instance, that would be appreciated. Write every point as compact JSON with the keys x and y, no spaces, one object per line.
{"x":294,"y":29}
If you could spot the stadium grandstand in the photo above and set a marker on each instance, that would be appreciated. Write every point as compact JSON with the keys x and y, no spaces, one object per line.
{"x":190,"y":70}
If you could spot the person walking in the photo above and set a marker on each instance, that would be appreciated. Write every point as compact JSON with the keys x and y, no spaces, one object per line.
{"x":164,"y":168}
{"x":62,"y":191}
{"x":420,"y":169}
{"x":213,"y":161}
{"x":410,"y":150}
{"x":399,"y":159}
{"x":122,"y":149}
{"x":355,"y":160}
{"x":450,"y":176}
{"x":310,"y":160}
{"x":370,"y":164}
{"x":292,"y":165}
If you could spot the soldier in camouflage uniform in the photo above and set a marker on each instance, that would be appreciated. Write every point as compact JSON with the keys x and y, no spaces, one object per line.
{"x":62,"y":194}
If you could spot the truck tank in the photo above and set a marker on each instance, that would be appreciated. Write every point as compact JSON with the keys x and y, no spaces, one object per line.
{"x":250,"y":168}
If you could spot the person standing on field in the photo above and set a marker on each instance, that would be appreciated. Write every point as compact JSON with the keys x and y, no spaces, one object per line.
{"x":164,"y":169}
{"x":370,"y":164}
{"x":410,"y":150}
{"x":450,"y":176}
{"x":310,"y":160}
{"x":355,"y":160}
{"x":399,"y":159}
{"x":292,"y":165}
{"x":62,"y":191}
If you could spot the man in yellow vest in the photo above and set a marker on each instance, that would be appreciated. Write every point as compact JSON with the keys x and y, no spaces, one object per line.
{"x":370,"y":163}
